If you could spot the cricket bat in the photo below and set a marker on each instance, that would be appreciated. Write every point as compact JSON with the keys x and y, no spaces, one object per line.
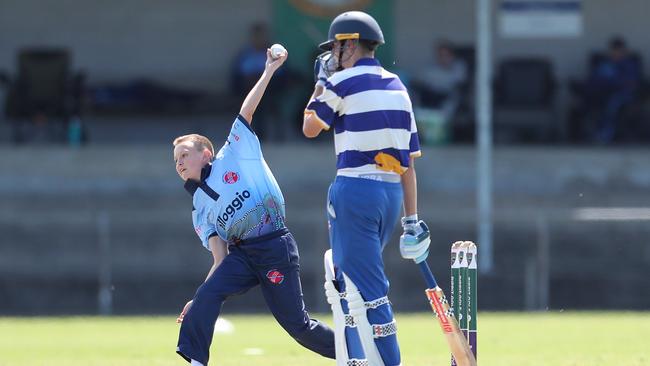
{"x":455,"y":339}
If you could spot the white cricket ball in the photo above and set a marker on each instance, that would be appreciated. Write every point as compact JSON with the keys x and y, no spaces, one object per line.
{"x":277,"y":50}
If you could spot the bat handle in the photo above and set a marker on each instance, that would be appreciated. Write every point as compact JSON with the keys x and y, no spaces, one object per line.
{"x":428,"y":276}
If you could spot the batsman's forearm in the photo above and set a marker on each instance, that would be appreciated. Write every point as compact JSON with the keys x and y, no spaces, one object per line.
{"x":409,"y":187}
{"x":255,"y":96}
{"x":311,"y":128}
{"x":318,"y":90}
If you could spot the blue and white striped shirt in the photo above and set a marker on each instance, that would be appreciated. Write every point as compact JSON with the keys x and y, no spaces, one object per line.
{"x":373,"y":120}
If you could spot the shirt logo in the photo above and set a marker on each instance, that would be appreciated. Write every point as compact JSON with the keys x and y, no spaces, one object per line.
{"x":234,"y":206}
{"x":230,"y":178}
{"x":275,"y":276}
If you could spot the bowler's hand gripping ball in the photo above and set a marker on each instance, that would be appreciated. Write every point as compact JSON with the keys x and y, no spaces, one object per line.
{"x":277,"y":50}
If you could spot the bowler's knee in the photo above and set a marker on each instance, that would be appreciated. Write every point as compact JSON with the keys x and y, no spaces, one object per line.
{"x":297,"y":330}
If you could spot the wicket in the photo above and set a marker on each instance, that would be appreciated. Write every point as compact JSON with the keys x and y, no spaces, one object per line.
{"x":463,"y":290}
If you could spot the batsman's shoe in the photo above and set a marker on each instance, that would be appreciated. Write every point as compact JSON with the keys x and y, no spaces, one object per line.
{"x":414,"y":242}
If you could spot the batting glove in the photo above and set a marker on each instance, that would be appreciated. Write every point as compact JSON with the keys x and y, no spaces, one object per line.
{"x":323,"y":68}
{"x":414,"y":242}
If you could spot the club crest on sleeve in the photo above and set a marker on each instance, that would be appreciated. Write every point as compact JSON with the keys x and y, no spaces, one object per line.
{"x":230,"y":177}
{"x":275,"y":276}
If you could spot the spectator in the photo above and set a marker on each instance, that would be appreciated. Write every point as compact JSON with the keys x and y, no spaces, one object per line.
{"x":439,"y":86}
{"x":246,"y":70}
{"x":613,"y":84}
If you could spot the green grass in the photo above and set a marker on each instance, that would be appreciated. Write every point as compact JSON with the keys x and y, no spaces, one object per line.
{"x":553,"y":339}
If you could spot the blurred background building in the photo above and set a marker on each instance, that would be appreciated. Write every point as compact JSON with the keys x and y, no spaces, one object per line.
{"x":94,"y":220}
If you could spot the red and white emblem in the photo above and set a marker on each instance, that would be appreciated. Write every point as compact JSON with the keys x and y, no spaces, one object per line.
{"x":230,"y":177}
{"x":275,"y":276}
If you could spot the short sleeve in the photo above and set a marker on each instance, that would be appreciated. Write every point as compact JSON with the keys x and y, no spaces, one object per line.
{"x":204,"y":229}
{"x":326,"y":106}
{"x":243,"y":141}
{"x":414,"y":143}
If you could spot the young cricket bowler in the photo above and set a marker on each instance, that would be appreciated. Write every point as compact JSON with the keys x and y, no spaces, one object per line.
{"x":239,"y":215}
{"x":376,"y":142}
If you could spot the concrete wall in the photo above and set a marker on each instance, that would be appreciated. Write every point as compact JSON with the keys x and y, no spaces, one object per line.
{"x":191,"y":43}
{"x":53,"y":200}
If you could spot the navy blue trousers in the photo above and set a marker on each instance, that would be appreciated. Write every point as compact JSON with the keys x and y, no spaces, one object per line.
{"x":271,"y":263}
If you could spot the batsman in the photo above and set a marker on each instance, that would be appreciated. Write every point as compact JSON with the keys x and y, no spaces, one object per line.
{"x":376,"y":141}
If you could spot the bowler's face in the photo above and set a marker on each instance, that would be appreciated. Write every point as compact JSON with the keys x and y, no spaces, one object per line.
{"x":189,"y":161}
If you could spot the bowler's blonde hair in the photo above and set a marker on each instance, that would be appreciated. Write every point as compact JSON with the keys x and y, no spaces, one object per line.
{"x":200,"y":142}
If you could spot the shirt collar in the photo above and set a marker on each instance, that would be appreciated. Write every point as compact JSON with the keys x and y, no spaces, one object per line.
{"x":367,"y":61}
{"x":192,"y":185}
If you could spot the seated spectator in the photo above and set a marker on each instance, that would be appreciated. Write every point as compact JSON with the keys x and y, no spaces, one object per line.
{"x":249,"y":63}
{"x":614,"y":83}
{"x":439,"y":86}
{"x":246,"y":70}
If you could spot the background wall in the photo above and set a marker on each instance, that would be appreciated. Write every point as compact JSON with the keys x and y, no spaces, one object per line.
{"x":71,"y":220}
{"x":192,"y":43}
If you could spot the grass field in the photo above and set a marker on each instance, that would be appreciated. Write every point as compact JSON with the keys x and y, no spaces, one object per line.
{"x":553,"y":339}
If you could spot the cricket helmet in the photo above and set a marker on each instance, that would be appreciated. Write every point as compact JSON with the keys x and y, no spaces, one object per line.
{"x":353,"y":25}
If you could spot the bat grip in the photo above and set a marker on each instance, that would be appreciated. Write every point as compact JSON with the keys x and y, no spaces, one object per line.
{"x":428,"y":276}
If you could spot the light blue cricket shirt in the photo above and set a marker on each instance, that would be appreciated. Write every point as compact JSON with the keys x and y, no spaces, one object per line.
{"x":237,"y":196}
